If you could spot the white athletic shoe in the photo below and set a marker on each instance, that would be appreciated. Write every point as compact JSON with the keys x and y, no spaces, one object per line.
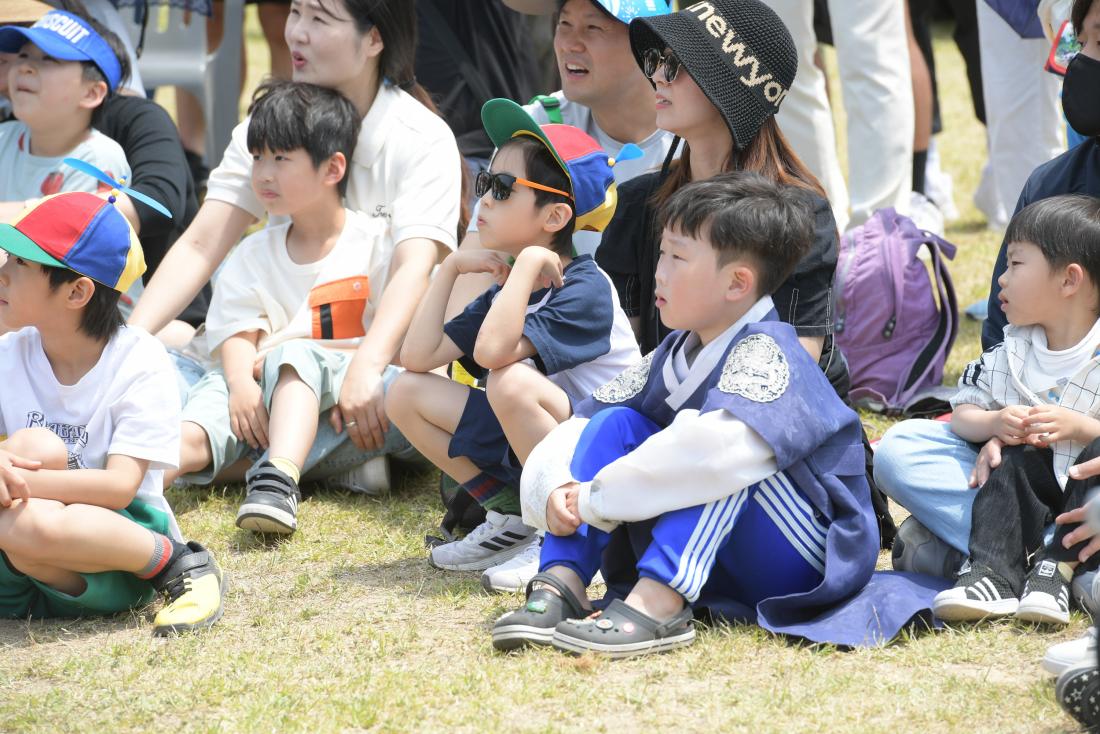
{"x":494,"y":541}
{"x":1065,"y":655}
{"x":371,"y":478}
{"x":513,"y":574}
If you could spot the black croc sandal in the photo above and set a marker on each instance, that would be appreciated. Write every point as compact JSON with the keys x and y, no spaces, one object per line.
{"x":534,"y":622}
{"x":622,"y":631}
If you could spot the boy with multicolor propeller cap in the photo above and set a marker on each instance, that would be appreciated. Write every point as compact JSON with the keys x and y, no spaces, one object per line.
{"x":549,"y":333}
{"x":64,"y":68}
{"x":90,"y":420}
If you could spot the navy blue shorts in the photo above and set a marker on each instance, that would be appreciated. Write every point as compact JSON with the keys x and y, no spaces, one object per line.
{"x":480,"y":438}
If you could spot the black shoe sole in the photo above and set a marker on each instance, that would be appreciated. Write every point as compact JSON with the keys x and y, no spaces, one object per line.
{"x":266,"y":519}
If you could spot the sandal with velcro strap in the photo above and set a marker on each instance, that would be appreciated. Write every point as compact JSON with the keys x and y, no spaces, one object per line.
{"x":534,"y":622}
{"x":622,"y":631}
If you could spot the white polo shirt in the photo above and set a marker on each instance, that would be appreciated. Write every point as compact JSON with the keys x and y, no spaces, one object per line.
{"x":405,"y":168}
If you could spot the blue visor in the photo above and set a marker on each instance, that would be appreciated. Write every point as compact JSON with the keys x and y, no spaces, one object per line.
{"x":68,"y":38}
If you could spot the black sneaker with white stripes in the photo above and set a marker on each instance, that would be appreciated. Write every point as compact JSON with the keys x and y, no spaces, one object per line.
{"x":978,"y":594}
{"x":492,"y":542}
{"x":1046,"y":595}
{"x":271,"y":502}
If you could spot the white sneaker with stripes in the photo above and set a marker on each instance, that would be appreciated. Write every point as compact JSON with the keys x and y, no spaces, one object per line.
{"x":1046,"y":595}
{"x":491,"y":543}
{"x":978,"y":594}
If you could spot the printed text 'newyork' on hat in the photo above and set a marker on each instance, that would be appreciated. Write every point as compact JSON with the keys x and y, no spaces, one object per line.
{"x":624,"y":10}
{"x":587,"y":165}
{"x":738,"y":51}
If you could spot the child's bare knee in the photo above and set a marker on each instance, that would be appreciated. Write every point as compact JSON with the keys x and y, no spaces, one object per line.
{"x":35,"y":530}
{"x":401,"y":395}
{"x":39,"y":444}
{"x":511,"y":386}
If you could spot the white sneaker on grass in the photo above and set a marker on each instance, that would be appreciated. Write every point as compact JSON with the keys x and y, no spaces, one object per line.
{"x":513,"y":574}
{"x":370,"y":478}
{"x":1065,"y":655}
{"x":494,"y":541}
{"x":1046,"y":595}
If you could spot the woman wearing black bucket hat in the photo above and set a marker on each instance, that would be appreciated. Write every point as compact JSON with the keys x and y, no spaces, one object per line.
{"x":720,"y":71}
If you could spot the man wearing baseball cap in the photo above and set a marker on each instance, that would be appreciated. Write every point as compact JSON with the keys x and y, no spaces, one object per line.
{"x":603,"y":93}
{"x":64,"y":68}
{"x":88,"y":424}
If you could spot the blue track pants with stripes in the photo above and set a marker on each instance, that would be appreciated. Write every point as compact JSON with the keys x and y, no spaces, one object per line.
{"x":757,"y":543}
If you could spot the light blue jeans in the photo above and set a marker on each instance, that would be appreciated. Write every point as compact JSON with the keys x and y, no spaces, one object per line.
{"x":924,"y":467}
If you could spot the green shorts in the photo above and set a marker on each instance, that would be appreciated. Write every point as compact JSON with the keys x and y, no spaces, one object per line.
{"x":109,"y":592}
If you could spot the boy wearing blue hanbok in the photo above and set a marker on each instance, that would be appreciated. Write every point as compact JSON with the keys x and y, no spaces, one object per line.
{"x":721,"y":472}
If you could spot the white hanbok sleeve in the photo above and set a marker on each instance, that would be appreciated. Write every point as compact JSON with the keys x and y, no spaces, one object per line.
{"x":698,"y":459}
{"x":547,"y":468}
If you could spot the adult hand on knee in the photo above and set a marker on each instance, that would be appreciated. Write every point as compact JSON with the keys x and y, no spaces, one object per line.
{"x":361,"y":409}
{"x":989,"y":458}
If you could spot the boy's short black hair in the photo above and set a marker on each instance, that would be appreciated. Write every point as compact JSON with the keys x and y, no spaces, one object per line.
{"x":288,"y":116}
{"x":101,"y":318}
{"x":746,"y":215}
{"x":1065,"y":228}
{"x":542,"y":167}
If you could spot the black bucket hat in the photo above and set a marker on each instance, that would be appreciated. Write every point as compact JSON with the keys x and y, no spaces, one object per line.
{"x":737,"y":51}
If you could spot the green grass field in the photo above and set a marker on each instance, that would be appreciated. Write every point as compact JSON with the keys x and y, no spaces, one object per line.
{"x":346,"y":627}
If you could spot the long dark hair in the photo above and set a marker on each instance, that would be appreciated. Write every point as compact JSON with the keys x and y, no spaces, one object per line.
{"x":769,"y":154}
{"x":396,"y":23}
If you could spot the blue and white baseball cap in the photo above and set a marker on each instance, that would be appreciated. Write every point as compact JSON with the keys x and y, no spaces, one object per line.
{"x":624,"y":10}
{"x":66,"y":37}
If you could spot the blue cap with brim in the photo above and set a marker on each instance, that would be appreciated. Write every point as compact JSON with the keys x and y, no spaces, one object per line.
{"x":65,"y":37}
{"x":624,"y":10}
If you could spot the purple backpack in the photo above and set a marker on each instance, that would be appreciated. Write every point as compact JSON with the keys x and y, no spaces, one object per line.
{"x":894,"y":324}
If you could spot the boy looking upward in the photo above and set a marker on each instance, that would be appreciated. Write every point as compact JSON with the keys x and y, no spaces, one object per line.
{"x":548,"y":334}
{"x":62,"y":69}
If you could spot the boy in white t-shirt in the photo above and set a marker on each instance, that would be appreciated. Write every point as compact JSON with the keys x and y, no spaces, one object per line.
{"x":89,"y":420}
{"x":63,"y":70}
{"x":1033,"y":402}
{"x":289,"y":307}
{"x":548,"y":335}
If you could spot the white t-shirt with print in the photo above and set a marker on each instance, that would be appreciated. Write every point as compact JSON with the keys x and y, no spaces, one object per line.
{"x":654,"y":149}
{"x":27,"y":176}
{"x":406,"y":170}
{"x":260,"y":287}
{"x":127,"y":404}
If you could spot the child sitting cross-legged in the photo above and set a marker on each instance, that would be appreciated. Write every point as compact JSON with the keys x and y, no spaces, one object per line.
{"x":291,"y":306}
{"x":721,"y":472}
{"x":89,"y":421}
{"x":1033,"y":403}
{"x":548,"y":335}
